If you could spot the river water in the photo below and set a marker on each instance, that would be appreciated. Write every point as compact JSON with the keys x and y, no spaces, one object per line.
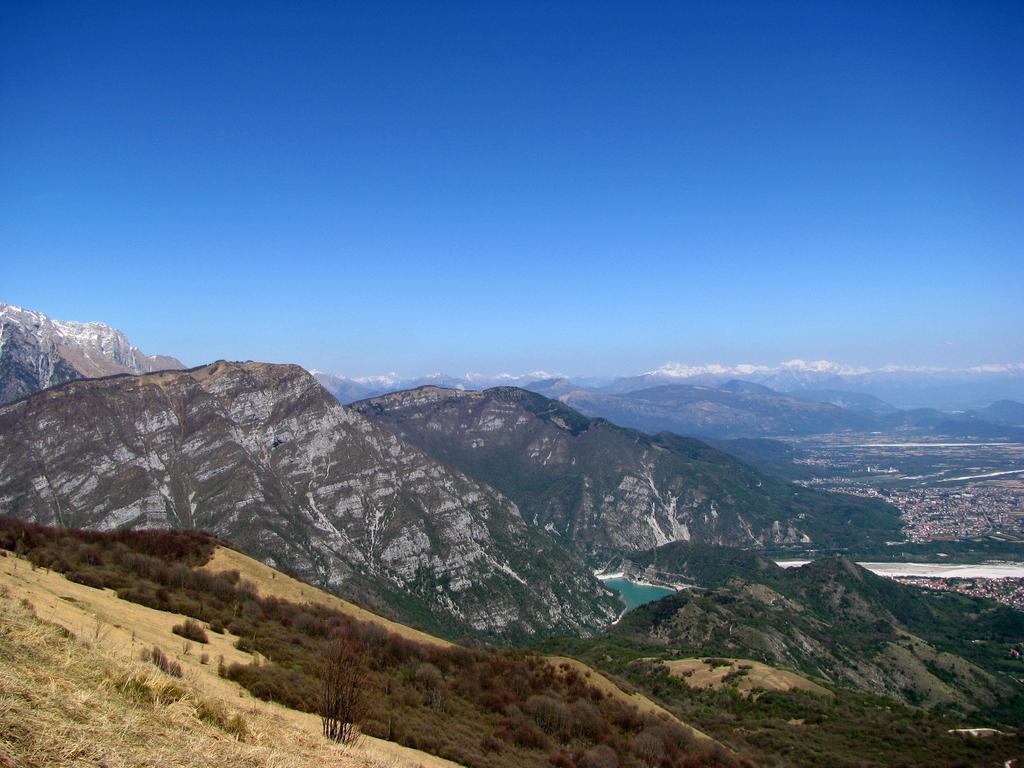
{"x":637,"y":594}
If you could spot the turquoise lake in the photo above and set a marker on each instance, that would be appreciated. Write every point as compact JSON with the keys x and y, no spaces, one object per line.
{"x":636,"y":594}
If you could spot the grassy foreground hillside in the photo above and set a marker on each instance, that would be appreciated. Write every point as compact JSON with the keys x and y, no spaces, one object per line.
{"x":70,"y":701}
{"x":81,"y":641}
{"x":473,"y":707}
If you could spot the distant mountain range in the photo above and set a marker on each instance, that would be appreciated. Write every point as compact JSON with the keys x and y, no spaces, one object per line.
{"x":737,"y":409}
{"x":822,"y":381}
{"x":898,"y":385}
{"x":37,"y":352}
{"x":740,"y":409}
{"x":350,"y":389}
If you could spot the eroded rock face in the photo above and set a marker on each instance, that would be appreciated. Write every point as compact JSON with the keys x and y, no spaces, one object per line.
{"x":37,"y":352}
{"x":262,"y":456}
{"x":602,"y":488}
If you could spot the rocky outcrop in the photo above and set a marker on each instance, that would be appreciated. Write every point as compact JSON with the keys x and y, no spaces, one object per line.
{"x":37,"y":352}
{"x":262,"y":456}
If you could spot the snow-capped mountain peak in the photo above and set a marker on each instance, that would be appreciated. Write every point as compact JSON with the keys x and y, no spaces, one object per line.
{"x":37,"y":352}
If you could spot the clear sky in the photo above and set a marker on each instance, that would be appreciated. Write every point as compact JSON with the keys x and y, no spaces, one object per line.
{"x":586,"y":188}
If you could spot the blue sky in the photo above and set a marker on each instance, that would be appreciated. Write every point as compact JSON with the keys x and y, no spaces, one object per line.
{"x":586,"y":188}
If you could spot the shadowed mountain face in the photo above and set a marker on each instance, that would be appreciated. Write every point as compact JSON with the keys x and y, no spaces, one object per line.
{"x":836,"y":620}
{"x":37,"y":352}
{"x":606,"y":489}
{"x":262,"y":456}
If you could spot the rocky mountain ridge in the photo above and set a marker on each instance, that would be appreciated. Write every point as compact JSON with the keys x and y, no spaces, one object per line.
{"x":262,"y":456}
{"x":606,"y":489}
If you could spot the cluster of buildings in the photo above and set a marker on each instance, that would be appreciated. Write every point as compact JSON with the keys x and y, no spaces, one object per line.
{"x":935,"y":512}
{"x":931,"y":513}
{"x":1007,"y":591}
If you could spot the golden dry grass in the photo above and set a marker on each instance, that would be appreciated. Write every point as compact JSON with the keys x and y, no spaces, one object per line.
{"x":64,"y":703}
{"x":272,"y":583}
{"x":112,"y":631}
{"x":697,"y":673}
{"x":123,"y":629}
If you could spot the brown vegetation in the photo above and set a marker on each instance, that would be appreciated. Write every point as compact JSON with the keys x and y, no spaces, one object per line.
{"x":67,"y":704}
{"x":191,"y":629}
{"x":160,"y":660}
{"x":476,"y":707}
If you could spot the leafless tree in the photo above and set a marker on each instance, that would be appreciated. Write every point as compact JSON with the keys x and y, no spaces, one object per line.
{"x":430,"y":679}
{"x":344,"y":676}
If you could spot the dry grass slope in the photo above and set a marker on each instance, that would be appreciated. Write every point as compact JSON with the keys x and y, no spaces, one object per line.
{"x":747,"y":676}
{"x":123,"y":629}
{"x":609,"y":688}
{"x":66,"y":703}
{"x":272,"y":583}
{"x":111,"y":634}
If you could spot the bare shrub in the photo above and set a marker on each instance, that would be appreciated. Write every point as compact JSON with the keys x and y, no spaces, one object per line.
{"x":587,"y":721}
{"x":549,"y":713}
{"x":526,"y":734}
{"x":341,"y":701}
{"x":431,"y":681}
{"x":600,"y":756}
{"x":191,"y":629}
{"x":162,"y":662}
{"x":490,"y":743}
{"x":649,"y":746}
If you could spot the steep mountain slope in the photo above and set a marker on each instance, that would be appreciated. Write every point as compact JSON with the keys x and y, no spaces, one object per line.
{"x":736,"y":409}
{"x":69,"y":703}
{"x":264,"y":457}
{"x":37,"y":352}
{"x":479,"y":707}
{"x":836,"y":620}
{"x":606,"y":489}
